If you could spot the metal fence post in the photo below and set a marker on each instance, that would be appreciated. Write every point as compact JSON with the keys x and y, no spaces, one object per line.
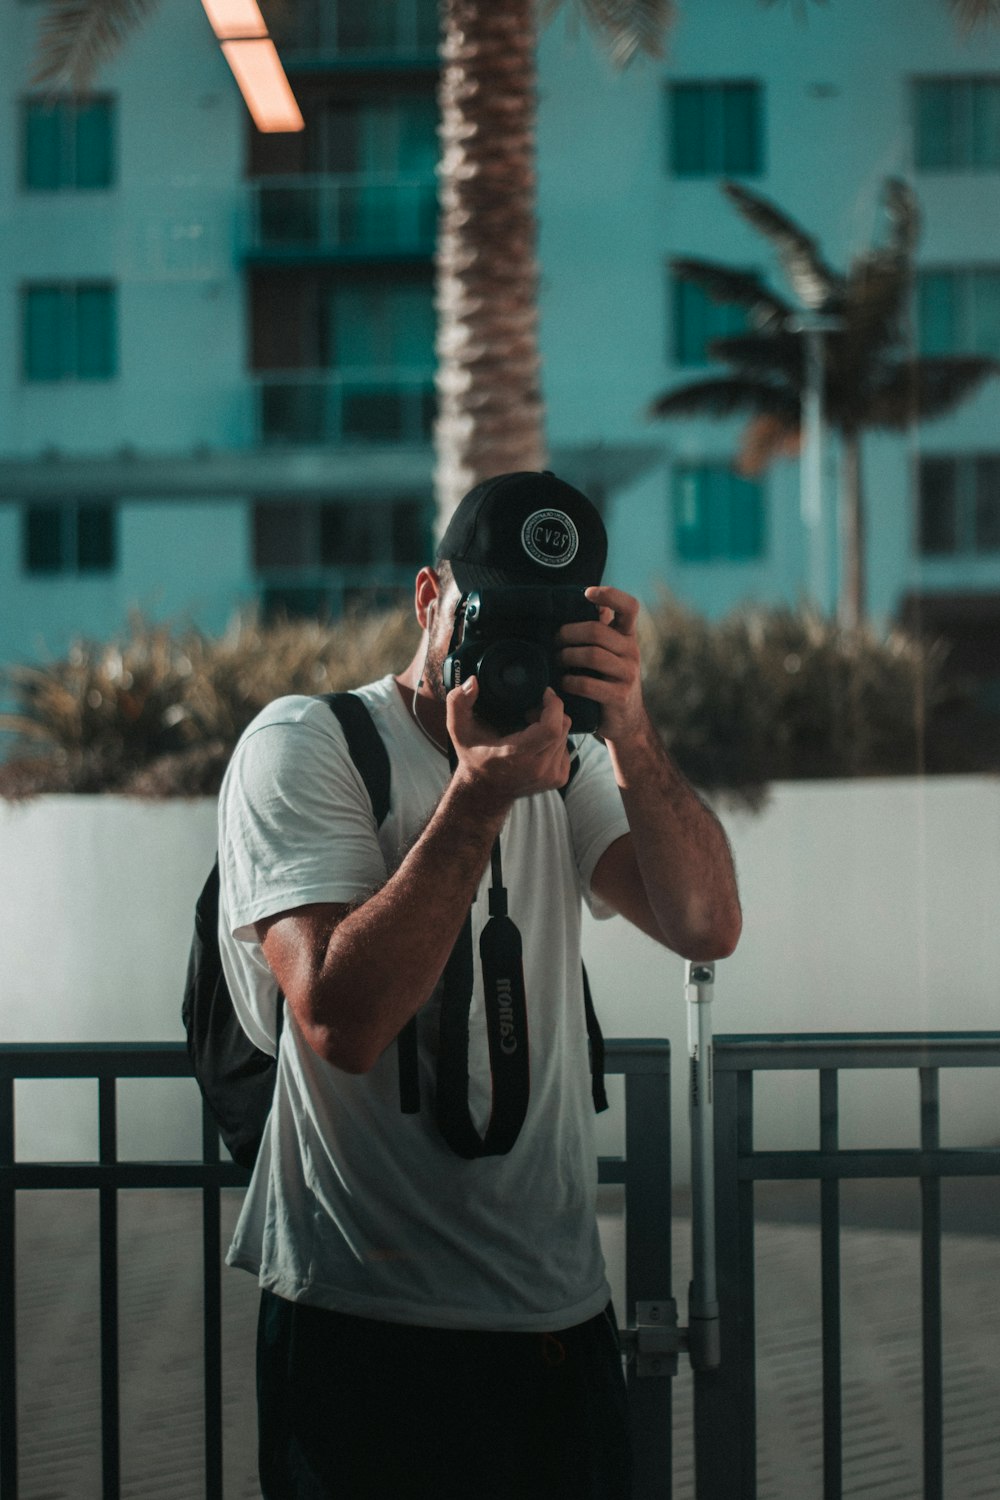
{"x":724,"y":1397}
{"x":212,"y":1307}
{"x":703,"y":1300}
{"x":108,"y":1210}
{"x":8,"y":1294}
{"x":648,"y":1267}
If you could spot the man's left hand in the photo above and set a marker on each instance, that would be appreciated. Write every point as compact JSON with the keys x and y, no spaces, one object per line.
{"x":608,"y":646}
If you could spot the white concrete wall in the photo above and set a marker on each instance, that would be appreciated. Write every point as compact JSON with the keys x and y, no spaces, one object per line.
{"x":869,"y":906}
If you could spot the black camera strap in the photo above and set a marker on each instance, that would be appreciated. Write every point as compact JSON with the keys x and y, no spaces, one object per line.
{"x":506,"y":1032}
{"x":506,"y":1019}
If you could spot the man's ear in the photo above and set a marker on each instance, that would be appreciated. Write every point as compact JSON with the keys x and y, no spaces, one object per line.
{"x":427,"y":594}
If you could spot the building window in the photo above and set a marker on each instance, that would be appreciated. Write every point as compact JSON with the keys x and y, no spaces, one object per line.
{"x":959,"y":505}
{"x":698,"y":320}
{"x":957,"y":124}
{"x":716,"y":129}
{"x":69,"y":536}
{"x":404,"y":28}
{"x":718,"y":514}
{"x":70,"y":331}
{"x":360,"y":177}
{"x":345,"y":358}
{"x":385,"y":137}
{"x":958,"y":310}
{"x":316,"y":557}
{"x":68,"y":144}
{"x":311,"y":534}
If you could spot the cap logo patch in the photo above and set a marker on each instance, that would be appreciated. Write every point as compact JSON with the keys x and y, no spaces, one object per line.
{"x":550,"y":537}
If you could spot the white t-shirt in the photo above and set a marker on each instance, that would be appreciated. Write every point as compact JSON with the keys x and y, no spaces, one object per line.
{"x":354,"y":1205}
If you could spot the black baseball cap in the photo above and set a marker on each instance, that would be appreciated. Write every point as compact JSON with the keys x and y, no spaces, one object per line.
{"x":521,"y":528}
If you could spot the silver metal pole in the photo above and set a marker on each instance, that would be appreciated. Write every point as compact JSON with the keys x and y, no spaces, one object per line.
{"x":813,"y":519}
{"x":703,"y":1298}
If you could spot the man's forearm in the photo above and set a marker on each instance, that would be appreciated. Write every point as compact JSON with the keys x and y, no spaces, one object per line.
{"x":382,"y":961}
{"x":354,"y":977}
{"x":681,"y":850}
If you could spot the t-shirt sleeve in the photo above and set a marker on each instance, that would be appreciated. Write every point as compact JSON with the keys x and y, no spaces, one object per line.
{"x":295,"y":822}
{"x":596,"y":815}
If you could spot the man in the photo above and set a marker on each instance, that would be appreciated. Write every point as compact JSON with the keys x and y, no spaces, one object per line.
{"x":435,"y":1325}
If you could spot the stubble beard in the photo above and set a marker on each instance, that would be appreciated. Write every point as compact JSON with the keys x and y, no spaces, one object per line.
{"x":432,"y":675}
{"x":438,"y":644}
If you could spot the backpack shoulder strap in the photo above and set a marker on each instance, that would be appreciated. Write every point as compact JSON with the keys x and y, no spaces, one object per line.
{"x":574,"y":766}
{"x":367,"y":750}
{"x":366,"y":747}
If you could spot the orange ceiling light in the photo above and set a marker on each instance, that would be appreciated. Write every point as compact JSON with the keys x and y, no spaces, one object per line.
{"x":256,"y":66}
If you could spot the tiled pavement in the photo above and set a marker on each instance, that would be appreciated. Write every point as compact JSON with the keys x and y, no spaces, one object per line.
{"x":160,"y":1248}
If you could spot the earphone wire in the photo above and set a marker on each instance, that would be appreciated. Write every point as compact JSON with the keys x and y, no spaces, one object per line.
{"x":413,"y":709}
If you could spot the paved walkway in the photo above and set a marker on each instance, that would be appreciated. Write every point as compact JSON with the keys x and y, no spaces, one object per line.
{"x":160,"y":1246}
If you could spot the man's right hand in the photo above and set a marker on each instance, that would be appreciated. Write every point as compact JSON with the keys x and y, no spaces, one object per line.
{"x":498,"y":768}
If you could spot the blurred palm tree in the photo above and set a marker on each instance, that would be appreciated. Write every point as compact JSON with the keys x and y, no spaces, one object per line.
{"x":871,"y":377}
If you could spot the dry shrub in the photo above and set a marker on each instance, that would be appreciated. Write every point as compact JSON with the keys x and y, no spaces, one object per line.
{"x":774,"y":694}
{"x":157,"y":712}
{"x":763,"y":695}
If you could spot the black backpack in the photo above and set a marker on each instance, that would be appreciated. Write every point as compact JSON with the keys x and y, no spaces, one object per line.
{"x":235,"y":1077}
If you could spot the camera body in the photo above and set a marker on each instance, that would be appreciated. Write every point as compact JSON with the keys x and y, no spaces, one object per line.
{"x":506,"y":637}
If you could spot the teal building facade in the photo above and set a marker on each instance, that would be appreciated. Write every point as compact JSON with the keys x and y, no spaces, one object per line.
{"x":217,"y":347}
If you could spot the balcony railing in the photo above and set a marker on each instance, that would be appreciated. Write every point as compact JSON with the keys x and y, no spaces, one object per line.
{"x":340,"y":215}
{"x":358,"y":31}
{"x":345,"y":406}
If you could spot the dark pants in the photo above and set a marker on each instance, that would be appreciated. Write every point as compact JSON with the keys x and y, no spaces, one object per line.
{"x":353,"y":1409}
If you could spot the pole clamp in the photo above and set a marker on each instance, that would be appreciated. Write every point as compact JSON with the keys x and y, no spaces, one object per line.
{"x":655,"y":1341}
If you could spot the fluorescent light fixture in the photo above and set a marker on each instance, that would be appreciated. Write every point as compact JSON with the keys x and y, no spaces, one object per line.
{"x":232,"y":19}
{"x":267,"y":92}
{"x":256,"y":66}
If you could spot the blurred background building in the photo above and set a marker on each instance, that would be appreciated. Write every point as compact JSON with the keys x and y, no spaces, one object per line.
{"x":217,"y":347}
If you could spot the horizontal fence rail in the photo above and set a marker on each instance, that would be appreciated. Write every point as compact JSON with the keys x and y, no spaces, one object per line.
{"x":643,"y":1171}
{"x":725,"y":1399}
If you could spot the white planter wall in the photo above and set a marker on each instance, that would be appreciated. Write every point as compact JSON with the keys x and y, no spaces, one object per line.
{"x":869,"y":905}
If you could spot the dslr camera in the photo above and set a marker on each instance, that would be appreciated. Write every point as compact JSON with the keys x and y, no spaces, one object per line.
{"x":506,"y":637}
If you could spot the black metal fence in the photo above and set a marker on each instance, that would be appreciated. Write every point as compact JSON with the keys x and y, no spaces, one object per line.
{"x":107,"y":1177}
{"x":725,"y":1398}
{"x":643,"y":1170}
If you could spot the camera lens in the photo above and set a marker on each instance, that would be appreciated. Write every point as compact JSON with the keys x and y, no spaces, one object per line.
{"x":513,"y":675}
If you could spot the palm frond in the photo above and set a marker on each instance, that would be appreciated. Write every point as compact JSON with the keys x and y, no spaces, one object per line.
{"x":878,"y":284}
{"x":78,"y":37}
{"x":903,"y":211}
{"x":765,"y":439}
{"x":921,"y":389}
{"x":972,"y":13}
{"x":625,"y":27}
{"x":814,"y":283}
{"x":724,"y":396}
{"x":876,"y":295}
{"x":778,"y":354}
{"x":728,"y":284}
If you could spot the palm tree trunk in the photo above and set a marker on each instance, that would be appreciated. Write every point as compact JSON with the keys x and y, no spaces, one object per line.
{"x":490,"y":416}
{"x":852,"y":605}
